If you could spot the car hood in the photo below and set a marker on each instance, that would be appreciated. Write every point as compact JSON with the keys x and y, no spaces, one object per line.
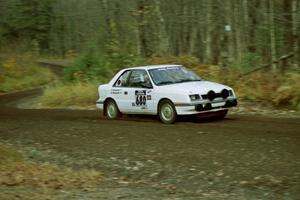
{"x":197,"y":87}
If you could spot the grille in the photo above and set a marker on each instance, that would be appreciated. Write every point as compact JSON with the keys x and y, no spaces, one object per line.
{"x":217,"y":95}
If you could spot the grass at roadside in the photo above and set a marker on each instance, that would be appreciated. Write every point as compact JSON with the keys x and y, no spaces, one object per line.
{"x":20,"y":73}
{"x":71,"y":94}
{"x":21,"y":176}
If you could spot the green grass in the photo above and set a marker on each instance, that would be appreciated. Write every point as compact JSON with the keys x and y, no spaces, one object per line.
{"x":20,"y":73}
{"x":41,"y":77}
{"x":71,"y":94}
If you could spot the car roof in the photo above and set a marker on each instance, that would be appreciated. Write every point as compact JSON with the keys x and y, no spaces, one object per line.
{"x":147,"y":67}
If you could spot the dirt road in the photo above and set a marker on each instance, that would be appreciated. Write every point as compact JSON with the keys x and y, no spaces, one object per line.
{"x":241,"y":157}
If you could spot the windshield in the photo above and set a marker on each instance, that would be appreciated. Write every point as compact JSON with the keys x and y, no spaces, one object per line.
{"x":171,"y":75}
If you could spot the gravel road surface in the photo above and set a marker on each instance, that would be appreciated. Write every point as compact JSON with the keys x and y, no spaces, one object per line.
{"x":241,"y":157}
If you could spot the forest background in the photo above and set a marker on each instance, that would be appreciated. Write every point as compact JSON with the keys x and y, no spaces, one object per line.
{"x":252,"y":46}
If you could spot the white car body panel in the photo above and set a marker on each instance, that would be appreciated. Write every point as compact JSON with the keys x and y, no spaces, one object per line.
{"x":178,"y":93}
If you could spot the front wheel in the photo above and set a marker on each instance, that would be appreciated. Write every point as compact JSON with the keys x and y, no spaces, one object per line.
{"x":167,"y":113}
{"x":112,"y":110}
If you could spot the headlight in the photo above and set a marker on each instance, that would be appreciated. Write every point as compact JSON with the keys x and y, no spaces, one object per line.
{"x":194,"y":97}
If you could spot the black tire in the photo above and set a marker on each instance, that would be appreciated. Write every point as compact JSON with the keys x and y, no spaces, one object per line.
{"x":167,"y":112}
{"x":112,"y":110}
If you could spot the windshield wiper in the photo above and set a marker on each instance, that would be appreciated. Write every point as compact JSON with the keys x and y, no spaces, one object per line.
{"x":165,"y":82}
{"x":187,"y":80}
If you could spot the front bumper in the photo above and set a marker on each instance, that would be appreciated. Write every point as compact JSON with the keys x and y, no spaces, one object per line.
{"x":205,"y":106}
{"x":100,"y":105}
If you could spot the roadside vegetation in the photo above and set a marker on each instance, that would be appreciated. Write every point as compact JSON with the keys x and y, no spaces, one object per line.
{"x":263,"y":87}
{"x":82,"y":78}
{"x":27,"y":179}
{"x":21,"y":73}
{"x":80,"y":94}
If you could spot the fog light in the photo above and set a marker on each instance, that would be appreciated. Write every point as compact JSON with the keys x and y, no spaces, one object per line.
{"x":199,"y":107}
{"x":207,"y":106}
{"x":231,"y":103}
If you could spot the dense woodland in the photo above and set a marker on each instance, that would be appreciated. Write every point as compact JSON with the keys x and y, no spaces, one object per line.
{"x":225,"y":32}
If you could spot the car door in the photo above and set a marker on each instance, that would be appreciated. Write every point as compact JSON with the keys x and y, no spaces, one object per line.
{"x":139,"y":92}
{"x":119,"y":91}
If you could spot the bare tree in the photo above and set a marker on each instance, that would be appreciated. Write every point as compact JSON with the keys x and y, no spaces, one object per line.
{"x":296,"y":32}
{"x":272,"y":33}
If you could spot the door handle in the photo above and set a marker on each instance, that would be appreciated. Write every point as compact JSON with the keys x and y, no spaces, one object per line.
{"x":125,"y":92}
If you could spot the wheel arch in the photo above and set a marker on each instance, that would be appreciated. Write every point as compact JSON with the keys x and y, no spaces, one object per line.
{"x":105,"y":104}
{"x":163,"y":99}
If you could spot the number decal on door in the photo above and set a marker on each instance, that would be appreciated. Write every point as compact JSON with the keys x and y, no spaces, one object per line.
{"x":140,"y":98}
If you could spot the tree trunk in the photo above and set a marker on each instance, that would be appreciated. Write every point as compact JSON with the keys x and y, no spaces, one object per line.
{"x":143,"y":43}
{"x":296,"y":21}
{"x":245,"y":25}
{"x":209,"y":31}
{"x":163,"y":39}
{"x":272,"y":33}
{"x":229,"y":32}
{"x":237,"y":31}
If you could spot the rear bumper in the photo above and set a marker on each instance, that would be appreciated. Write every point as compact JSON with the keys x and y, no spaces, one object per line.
{"x":205,"y":106}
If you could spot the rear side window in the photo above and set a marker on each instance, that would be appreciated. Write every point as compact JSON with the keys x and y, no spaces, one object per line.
{"x":123,"y":79}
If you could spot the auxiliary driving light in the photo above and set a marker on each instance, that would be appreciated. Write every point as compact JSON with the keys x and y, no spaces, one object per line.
{"x":211,"y":95}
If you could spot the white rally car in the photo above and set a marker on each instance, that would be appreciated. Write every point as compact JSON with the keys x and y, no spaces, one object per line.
{"x":163,"y":90}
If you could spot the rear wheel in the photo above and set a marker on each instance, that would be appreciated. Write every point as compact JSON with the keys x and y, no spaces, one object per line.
{"x":112,"y":110}
{"x":167,"y":113}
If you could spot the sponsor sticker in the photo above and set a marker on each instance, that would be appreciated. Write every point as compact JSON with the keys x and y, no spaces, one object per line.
{"x":116,"y":91}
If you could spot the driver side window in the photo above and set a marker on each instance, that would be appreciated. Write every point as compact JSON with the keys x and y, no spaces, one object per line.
{"x":140,"y":79}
